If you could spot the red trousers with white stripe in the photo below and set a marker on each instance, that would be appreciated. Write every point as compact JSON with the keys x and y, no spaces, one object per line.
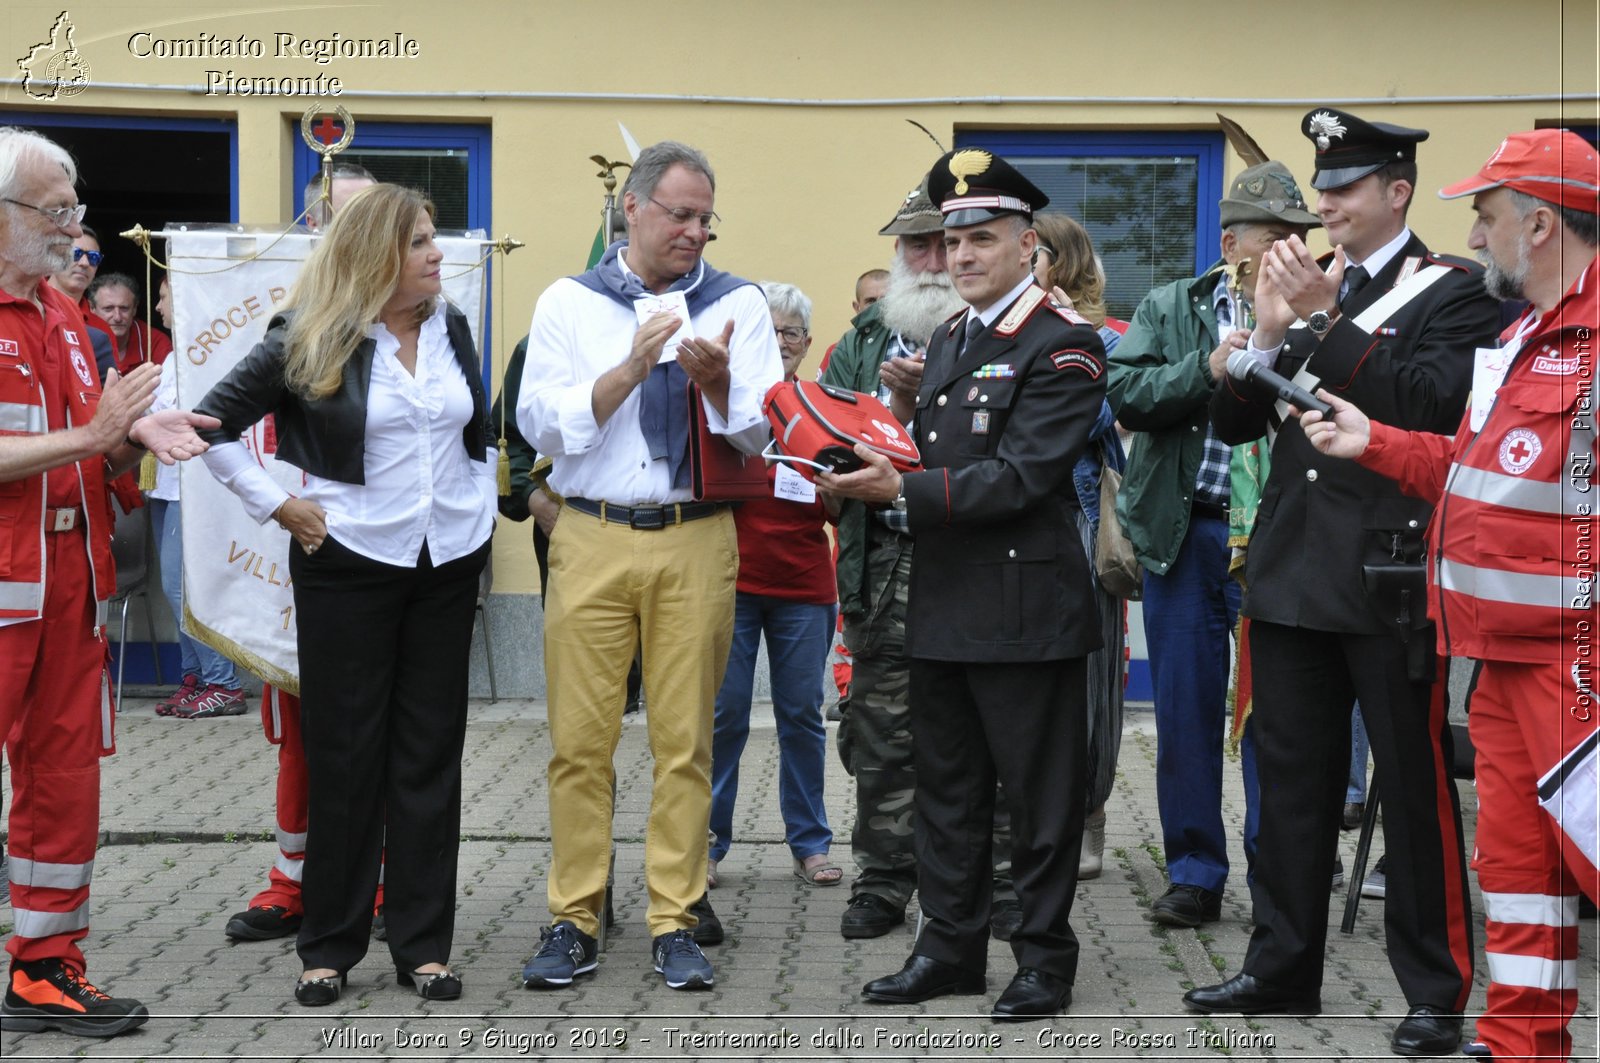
{"x":1524,"y":718}
{"x":56,"y":725}
{"x":280,"y":719}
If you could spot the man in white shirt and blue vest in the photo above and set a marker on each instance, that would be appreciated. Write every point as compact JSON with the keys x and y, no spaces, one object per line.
{"x":634,"y":559}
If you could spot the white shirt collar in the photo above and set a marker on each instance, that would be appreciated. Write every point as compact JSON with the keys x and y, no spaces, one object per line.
{"x":992,"y":314}
{"x":1375,"y":262}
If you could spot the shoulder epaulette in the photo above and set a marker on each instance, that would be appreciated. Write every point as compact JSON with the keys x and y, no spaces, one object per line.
{"x":1020,"y":311}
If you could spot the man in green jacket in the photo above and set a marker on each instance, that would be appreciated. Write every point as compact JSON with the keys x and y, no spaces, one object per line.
{"x":1174,"y":504}
{"x":882,"y":352}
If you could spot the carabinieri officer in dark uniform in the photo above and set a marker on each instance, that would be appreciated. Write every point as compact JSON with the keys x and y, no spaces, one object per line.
{"x":1334,"y":588}
{"x":1000,"y":616}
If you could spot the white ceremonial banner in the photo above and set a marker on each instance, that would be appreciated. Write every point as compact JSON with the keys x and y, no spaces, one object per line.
{"x":226,"y":285}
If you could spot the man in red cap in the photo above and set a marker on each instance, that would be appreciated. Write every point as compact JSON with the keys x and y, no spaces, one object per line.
{"x":1512,"y":579}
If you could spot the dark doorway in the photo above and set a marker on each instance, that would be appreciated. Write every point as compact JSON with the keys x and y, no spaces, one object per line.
{"x":143,"y":171}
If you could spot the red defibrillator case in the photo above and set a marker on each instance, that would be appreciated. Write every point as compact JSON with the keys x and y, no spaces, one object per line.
{"x":816,"y":427}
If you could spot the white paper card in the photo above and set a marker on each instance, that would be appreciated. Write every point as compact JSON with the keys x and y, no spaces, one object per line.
{"x":790,"y":485}
{"x":1489,"y":367}
{"x":1570,"y":792}
{"x":668,"y":303}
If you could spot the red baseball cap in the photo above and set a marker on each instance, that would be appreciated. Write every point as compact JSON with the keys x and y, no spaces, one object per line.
{"x":1555,"y":165}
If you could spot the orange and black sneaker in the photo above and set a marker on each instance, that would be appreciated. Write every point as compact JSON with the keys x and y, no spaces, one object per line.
{"x":49,"y":995}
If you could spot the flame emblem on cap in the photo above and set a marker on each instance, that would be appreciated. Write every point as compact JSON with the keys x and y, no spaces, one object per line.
{"x":969,"y":163}
{"x":1325,"y":129}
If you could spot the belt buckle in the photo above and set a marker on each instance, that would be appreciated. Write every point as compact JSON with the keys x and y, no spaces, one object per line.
{"x":651,"y":518}
{"x":63,"y":520}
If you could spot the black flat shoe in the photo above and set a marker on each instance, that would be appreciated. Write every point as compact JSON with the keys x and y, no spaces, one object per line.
{"x":318,"y":992}
{"x":433,"y":985}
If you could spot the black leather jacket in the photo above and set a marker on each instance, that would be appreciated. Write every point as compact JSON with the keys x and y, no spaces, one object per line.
{"x":327,"y":437}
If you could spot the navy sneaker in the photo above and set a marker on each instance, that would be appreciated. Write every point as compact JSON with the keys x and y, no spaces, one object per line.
{"x":564,"y":953}
{"x":679,"y":960}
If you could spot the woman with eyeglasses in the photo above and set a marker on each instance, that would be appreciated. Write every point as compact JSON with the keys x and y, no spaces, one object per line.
{"x":788,"y":593}
{"x":376,"y":389}
{"x":1065,"y":265}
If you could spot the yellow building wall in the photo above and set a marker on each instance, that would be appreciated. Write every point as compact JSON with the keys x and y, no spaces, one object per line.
{"x":803,"y":107}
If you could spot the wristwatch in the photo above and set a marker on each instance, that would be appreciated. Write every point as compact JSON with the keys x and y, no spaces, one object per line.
{"x":1319,"y":322}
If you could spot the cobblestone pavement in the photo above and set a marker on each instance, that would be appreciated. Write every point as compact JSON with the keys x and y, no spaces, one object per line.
{"x":186,"y":826}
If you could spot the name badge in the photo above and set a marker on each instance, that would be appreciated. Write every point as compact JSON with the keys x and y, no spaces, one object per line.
{"x":792,"y":487}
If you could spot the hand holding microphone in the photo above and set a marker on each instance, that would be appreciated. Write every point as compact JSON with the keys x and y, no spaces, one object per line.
{"x":1245,"y":369}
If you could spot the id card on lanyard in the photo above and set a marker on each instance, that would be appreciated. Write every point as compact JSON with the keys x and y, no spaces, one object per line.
{"x":1489,"y":366}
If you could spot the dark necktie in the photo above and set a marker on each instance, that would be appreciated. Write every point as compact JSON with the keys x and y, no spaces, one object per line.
{"x":974,"y":326}
{"x":1355,"y":278}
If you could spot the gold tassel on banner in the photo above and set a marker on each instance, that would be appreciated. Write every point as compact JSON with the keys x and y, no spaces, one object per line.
{"x":502,"y":468}
{"x":147,"y":472}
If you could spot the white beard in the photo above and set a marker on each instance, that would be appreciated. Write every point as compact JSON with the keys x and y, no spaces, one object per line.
{"x":916,"y":303}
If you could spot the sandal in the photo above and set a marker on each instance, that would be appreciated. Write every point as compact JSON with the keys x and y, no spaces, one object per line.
{"x":817,"y":871}
{"x":712,"y":881}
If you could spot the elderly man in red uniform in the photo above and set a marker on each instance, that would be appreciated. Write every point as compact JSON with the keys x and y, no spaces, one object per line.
{"x":60,"y":437}
{"x":1512,"y":546}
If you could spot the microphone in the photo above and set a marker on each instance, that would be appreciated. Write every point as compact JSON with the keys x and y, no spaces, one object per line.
{"x":1244,"y":368}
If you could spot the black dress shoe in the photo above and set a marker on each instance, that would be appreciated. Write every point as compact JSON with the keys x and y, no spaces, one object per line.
{"x":1005,"y":919}
{"x":1243,"y":995}
{"x":1032,"y":994}
{"x":1187,"y":906}
{"x":708,"y":931}
{"x":1427,"y":1032}
{"x":922,"y":978}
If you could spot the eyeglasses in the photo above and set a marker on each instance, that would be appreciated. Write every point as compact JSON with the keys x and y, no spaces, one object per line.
{"x":94,"y":257}
{"x":792,"y":334}
{"x":1043,"y":251}
{"x":62,"y":216}
{"x":683,"y":215}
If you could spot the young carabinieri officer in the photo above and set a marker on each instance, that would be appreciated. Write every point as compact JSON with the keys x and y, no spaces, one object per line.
{"x":1000,"y":616}
{"x":1334,"y":584}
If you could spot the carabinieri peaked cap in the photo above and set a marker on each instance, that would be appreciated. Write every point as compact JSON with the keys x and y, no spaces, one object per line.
{"x":972,"y":185}
{"x":1349,"y":148}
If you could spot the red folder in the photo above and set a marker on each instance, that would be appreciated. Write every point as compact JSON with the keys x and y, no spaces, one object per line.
{"x":719,"y":471}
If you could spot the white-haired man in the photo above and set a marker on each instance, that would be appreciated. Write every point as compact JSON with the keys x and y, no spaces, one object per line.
{"x":61,"y":437}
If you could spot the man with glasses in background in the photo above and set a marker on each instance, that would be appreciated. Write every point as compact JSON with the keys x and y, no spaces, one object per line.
{"x":633,"y":558}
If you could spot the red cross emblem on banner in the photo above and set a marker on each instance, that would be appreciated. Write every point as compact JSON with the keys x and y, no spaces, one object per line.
{"x":328,"y":129}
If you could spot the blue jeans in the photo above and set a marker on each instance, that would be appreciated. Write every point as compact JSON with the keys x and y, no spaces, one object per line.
{"x":799,"y":635}
{"x":1356,"y":792}
{"x":1189,"y":615}
{"x":166,"y":519}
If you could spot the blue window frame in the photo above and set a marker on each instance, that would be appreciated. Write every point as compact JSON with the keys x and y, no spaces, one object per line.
{"x":449,"y":162}
{"x":1148,"y":198}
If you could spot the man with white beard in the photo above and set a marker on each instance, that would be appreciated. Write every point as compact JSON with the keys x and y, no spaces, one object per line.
{"x":882,"y":353}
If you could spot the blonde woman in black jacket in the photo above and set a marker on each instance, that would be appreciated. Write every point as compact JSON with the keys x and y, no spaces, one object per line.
{"x":375,"y":386}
